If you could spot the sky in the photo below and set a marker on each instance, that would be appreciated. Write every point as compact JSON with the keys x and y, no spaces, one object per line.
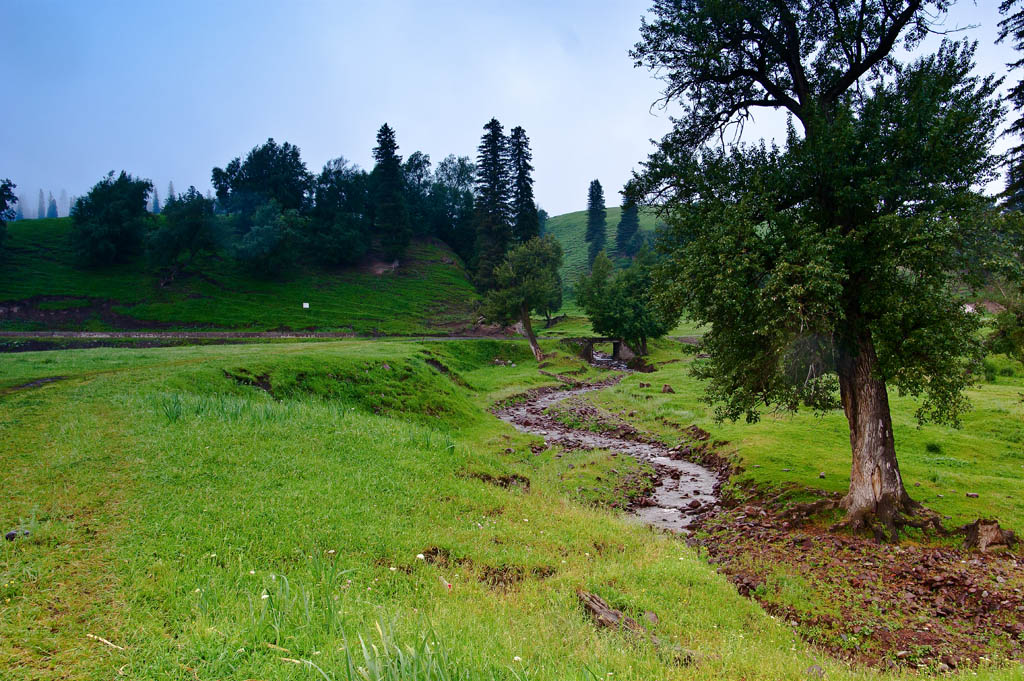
{"x":167,"y":90}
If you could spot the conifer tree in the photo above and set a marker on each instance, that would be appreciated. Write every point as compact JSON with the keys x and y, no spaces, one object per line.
{"x":170,"y":191}
{"x":493,"y":219}
{"x":596,"y":221}
{"x":627,"y":237}
{"x":156,"y":202}
{"x":51,"y":207}
{"x":526,"y":223}
{"x":63,"y":207}
{"x":391,"y":215}
{"x":41,"y":206}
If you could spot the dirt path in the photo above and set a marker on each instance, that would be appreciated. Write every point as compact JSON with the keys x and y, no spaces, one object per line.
{"x":683,"y":491}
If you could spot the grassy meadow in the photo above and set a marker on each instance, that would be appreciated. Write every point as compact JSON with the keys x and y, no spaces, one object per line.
{"x":427,"y":294}
{"x":257,"y":512}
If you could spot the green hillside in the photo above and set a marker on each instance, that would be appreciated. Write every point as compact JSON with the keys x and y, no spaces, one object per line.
{"x":41,"y":288}
{"x":570,"y":229}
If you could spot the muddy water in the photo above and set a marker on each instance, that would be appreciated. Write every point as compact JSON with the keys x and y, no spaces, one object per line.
{"x":679,"y":483}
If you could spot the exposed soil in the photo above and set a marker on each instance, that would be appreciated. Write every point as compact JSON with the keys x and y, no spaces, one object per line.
{"x":935,"y":607}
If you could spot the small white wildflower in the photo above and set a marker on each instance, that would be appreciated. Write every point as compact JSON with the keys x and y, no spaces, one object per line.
{"x":393,"y":569}
{"x":420,"y":556}
{"x":252,"y":572}
{"x":517,"y":659}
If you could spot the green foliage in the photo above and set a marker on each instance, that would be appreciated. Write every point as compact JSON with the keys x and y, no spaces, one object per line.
{"x":597,"y":216}
{"x":854,"y":237}
{"x":628,"y":240}
{"x":527,"y":280}
{"x":109,"y":221}
{"x":267,"y":249}
{"x":493,"y":219}
{"x":188,"y":228}
{"x":339,"y":229}
{"x":525,"y":220}
{"x":1008,"y":335}
{"x":270,"y":171}
{"x":451,"y":203}
{"x":620,"y":304}
{"x":7,"y":203}
{"x":391,"y":213}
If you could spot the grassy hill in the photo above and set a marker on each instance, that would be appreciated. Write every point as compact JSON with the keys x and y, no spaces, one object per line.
{"x":570,"y":229}
{"x":427,"y":294}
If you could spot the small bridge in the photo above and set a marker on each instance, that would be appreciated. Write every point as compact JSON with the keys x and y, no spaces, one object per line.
{"x":584,"y":347}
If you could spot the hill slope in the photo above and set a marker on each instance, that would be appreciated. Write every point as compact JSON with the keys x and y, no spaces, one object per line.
{"x":41,"y":288}
{"x":570,"y":230}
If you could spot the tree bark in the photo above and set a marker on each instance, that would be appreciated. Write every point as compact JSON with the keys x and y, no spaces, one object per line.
{"x":877,"y":496}
{"x":524,"y":315}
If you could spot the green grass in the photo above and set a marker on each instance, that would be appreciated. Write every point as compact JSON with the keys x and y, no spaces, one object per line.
{"x":215,"y":529}
{"x":570,"y":229}
{"x":940,"y":464}
{"x":38,"y":265}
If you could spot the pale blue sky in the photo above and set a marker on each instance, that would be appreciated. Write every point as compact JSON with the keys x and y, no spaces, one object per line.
{"x":169,"y":90}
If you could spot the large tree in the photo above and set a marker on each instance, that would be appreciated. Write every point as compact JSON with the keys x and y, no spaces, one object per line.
{"x":526,"y":281}
{"x":109,"y":222}
{"x":391,"y":212}
{"x":51,"y":207}
{"x":525,"y":221}
{"x":837,"y":257}
{"x":493,"y":216}
{"x":339,"y":228}
{"x":597,"y":221}
{"x":627,"y":237}
{"x":270,"y":171}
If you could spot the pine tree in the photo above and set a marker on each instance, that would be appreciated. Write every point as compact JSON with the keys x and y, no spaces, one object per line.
{"x":526,"y":223}
{"x":19,"y":213}
{"x":493,"y":216}
{"x":170,"y":191}
{"x":41,"y":207}
{"x":596,"y":221}
{"x":63,"y":207}
{"x":51,"y":207}
{"x":627,"y":237}
{"x":391,"y":215}
{"x":156,"y":202}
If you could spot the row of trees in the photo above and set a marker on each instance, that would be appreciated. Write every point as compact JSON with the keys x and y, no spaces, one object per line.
{"x":47,"y":206}
{"x":270,"y":211}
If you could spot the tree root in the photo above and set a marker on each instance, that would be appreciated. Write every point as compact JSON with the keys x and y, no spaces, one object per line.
{"x":888,"y":518}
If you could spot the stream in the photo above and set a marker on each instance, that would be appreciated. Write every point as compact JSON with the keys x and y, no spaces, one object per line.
{"x":683,"y":490}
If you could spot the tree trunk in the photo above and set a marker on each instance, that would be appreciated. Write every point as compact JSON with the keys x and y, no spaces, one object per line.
{"x":524,"y":315}
{"x":876,"y":495}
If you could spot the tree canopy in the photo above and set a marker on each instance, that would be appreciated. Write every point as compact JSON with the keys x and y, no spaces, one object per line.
{"x":835,"y":258}
{"x":526,"y":281}
{"x":525,"y":221}
{"x":109,"y":222}
{"x":7,"y":206}
{"x":391,"y":211}
{"x":270,"y":171}
{"x":618,"y":303}
{"x":188,"y":229}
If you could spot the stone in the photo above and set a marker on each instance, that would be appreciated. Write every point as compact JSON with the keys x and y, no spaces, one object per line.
{"x":972,"y":495}
{"x":821,"y":475}
{"x":651,"y":617}
{"x":815,"y":672}
{"x":667,"y":389}
{"x":694,"y":504}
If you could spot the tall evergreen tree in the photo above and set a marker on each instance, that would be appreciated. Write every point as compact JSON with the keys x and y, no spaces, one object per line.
{"x":526,"y":223}
{"x":7,"y":210}
{"x":627,"y":237}
{"x":51,"y":207}
{"x":156,"y":201}
{"x":41,"y":206}
{"x":1013,"y":27}
{"x":493,"y":218}
{"x":391,"y":215}
{"x":63,"y":207}
{"x":597,"y":217}
{"x":170,"y":191}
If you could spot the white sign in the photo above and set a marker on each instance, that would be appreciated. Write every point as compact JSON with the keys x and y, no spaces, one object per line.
{"x":305,"y":306}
